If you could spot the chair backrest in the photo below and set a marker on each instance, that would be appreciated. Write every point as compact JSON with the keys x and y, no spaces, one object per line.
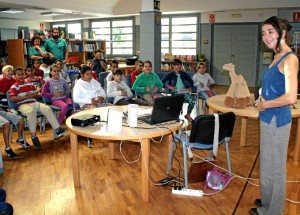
{"x":11,"y":104}
{"x":102,"y":78}
{"x":204,"y":125}
{"x":75,"y":106}
{"x":128,"y":80}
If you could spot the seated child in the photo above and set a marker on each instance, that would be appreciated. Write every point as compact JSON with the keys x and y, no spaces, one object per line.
{"x":90,"y":64}
{"x":113,"y":66}
{"x":138,"y":70}
{"x":120,"y":91}
{"x":37,"y":81}
{"x":148,"y":84}
{"x":88,"y":92}
{"x":179,"y":81}
{"x":63,"y":74}
{"x":37,"y":70}
{"x":203,"y":81}
{"x":25,"y":95}
{"x":57,"y":89}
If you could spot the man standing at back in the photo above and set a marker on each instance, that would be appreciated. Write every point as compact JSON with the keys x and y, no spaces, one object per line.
{"x":57,"y":47}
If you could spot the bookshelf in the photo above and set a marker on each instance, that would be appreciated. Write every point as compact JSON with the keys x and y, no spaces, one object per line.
{"x":82,"y":50}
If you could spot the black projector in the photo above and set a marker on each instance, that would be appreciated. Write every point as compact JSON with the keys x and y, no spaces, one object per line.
{"x":85,"y":120}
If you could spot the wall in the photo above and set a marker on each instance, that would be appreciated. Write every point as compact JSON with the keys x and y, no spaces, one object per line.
{"x":15,"y":23}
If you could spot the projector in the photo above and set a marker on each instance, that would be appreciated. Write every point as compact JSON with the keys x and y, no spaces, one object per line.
{"x":85,"y":120}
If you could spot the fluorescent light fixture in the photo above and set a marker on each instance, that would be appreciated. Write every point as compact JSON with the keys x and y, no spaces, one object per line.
{"x":51,"y":14}
{"x":11,"y":10}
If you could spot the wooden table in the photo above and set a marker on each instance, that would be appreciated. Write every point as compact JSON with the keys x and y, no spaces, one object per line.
{"x":127,"y":133}
{"x":216,"y":104}
{"x":126,"y":69}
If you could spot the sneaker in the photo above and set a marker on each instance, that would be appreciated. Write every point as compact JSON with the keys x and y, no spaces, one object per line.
{"x":60,"y":131}
{"x":24,"y":144}
{"x":258,"y":202}
{"x":10,"y":153}
{"x":36,"y":142}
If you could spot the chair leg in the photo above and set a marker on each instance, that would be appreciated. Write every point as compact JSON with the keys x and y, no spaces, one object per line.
{"x":184,"y":150}
{"x":170,"y":157}
{"x":228,"y":158}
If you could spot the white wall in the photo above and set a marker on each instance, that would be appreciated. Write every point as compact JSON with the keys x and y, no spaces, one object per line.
{"x":15,"y":23}
{"x":242,"y":16}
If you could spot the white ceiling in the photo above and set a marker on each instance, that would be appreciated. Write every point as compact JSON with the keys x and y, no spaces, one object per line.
{"x":87,"y":9}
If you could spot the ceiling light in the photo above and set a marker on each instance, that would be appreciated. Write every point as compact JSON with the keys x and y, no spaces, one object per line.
{"x":51,"y":14}
{"x":11,"y":10}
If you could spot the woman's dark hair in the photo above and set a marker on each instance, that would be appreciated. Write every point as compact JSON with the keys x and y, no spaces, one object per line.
{"x":84,"y":68}
{"x":35,"y":38}
{"x":279,"y":25}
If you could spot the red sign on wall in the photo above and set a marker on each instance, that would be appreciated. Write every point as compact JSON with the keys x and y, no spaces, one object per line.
{"x":212,"y":18}
{"x":296,"y":17}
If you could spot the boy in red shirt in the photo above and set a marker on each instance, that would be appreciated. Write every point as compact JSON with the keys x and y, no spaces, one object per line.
{"x":25,"y":95}
{"x":7,"y":81}
{"x":138,"y":70}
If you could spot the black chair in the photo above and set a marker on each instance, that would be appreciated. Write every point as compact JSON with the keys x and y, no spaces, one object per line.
{"x":202,"y":137}
{"x":102,"y":78}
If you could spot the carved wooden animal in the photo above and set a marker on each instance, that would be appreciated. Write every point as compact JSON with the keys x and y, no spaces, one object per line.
{"x":238,"y":94}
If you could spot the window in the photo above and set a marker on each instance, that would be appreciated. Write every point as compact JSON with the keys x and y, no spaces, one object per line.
{"x":117,"y":33}
{"x":74,"y":30}
{"x":179,"y":35}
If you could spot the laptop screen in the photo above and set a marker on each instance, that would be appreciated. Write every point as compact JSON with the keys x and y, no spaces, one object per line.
{"x":166,"y":108}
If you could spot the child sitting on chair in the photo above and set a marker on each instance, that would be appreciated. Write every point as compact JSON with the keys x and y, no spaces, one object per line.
{"x":57,"y":89}
{"x":203,"y":81}
{"x":25,"y":95}
{"x":31,"y":78}
{"x":148,"y":84}
{"x":88,"y":92}
{"x":120,"y":91}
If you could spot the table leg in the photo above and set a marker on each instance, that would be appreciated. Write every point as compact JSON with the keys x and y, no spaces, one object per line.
{"x":111,"y":150}
{"x":297,"y":142}
{"x":75,"y":162}
{"x":243,"y":131}
{"x":211,"y":111}
{"x":169,"y":141}
{"x":145,"y":169}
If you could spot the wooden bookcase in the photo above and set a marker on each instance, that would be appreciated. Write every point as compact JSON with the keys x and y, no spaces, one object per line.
{"x":15,"y":50}
{"x":82,"y":50}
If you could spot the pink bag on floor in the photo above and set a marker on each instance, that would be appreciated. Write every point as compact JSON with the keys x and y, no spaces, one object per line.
{"x":216,"y":180}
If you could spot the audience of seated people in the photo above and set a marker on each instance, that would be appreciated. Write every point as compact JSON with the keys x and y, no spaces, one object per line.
{"x":203,"y":81}
{"x":87,"y":92}
{"x":58,"y":90}
{"x":25,"y":95}
{"x":148,"y":84}
{"x":120,"y":91}
{"x":179,"y":81}
{"x":138,"y":70}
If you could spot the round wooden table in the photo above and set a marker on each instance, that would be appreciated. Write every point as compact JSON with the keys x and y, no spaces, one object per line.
{"x":99,"y":131}
{"x":216,"y":104}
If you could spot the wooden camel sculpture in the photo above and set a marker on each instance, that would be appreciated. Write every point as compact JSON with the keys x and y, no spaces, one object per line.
{"x":238,"y":94}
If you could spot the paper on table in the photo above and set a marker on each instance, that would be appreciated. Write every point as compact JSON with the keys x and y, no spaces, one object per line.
{"x":144,"y":111}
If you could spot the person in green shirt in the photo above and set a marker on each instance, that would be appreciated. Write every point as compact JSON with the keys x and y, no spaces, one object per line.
{"x":148,"y":84}
{"x":36,"y":51}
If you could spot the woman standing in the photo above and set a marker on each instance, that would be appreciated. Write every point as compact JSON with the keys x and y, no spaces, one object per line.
{"x":36,"y":51}
{"x":279,"y":90}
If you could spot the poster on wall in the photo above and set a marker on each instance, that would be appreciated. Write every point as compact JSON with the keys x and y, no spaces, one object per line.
{"x":296,"y":17}
{"x":212,"y":18}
